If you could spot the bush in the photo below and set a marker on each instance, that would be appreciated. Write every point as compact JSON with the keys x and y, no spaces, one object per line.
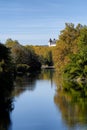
{"x":23,"y":68}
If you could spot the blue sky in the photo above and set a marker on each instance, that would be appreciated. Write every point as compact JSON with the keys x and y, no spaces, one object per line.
{"x":34,"y":22}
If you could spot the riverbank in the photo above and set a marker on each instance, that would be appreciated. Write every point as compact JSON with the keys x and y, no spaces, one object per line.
{"x":47,"y":67}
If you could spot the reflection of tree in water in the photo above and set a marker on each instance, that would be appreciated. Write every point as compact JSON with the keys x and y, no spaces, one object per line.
{"x":72,"y":104}
{"x":5,"y":101}
{"x":5,"y":109}
{"x":23,"y":83}
{"x":47,"y":74}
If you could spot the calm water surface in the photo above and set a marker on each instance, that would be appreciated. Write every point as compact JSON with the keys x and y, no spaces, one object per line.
{"x":39,"y":106}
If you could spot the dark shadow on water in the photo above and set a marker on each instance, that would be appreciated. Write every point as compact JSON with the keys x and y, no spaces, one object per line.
{"x":6,"y":101}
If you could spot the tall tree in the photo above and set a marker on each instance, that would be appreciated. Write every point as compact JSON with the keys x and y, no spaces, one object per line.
{"x":66,"y":45}
{"x":77,"y":68}
{"x":5,"y":59}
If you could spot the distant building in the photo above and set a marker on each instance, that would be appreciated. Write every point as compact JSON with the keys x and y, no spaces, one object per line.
{"x":52,"y":42}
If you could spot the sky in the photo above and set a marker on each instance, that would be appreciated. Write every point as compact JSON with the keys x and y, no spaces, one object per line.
{"x":34,"y":22}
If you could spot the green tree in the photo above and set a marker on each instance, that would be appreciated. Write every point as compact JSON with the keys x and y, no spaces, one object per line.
{"x":45,"y":54}
{"x":5,"y":59}
{"x":77,"y":68}
{"x":49,"y":59}
{"x":23,"y":56}
{"x":67,"y":45}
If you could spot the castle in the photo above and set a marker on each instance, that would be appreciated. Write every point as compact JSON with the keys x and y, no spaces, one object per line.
{"x":52,"y":42}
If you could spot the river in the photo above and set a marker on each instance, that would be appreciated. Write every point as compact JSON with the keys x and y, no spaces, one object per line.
{"x":39,"y":105}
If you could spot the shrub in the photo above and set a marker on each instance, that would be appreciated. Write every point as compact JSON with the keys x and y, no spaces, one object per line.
{"x":23,"y":68}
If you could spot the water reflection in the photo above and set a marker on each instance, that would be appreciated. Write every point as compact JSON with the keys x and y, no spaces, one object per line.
{"x":72,"y":103}
{"x":23,"y":83}
{"x":6,"y":101}
{"x":47,"y":74}
{"x":33,"y":104}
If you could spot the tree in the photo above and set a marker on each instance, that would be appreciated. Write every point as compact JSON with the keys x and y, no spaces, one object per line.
{"x":23,"y":56}
{"x":48,"y":59}
{"x":5,"y":59}
{"x":45,"y":54}
{"x":66,"y":45}
{"x":77,"y":68}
